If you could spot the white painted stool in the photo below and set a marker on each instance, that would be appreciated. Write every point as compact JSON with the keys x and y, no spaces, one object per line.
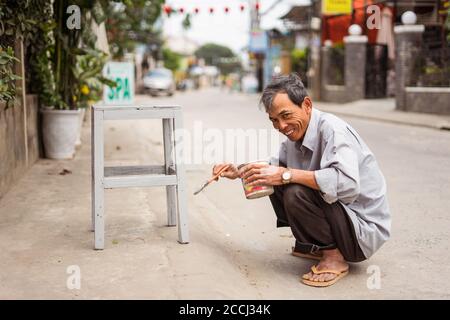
{"x":171,"y":174}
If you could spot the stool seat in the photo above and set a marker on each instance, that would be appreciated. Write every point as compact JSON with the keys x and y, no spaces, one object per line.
{"x":135,"y":107}
{"x":171,"y":174}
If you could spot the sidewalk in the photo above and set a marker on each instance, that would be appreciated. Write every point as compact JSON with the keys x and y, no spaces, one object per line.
{"x":384,"y":110}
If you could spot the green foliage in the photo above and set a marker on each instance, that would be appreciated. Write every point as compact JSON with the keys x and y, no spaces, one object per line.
{"x":131,"y":22}
{"x":7,"y":77}
{"x":219,"y":56}
{"x":75,"y":63}
{"x":63,"y":66}
{"x":15,"y":23}
{"x":336,"y":73}
{"x":428,"y":73}
{"x":88,"y":73}
{"x":172,"y":60}
{"x":299,"y":58}
{"x":17,"y":20}
{"x":186,"y":24}
{"x":39,"y":77}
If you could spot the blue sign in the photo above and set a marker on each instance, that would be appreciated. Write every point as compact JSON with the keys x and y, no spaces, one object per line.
{"x":258,"y":41}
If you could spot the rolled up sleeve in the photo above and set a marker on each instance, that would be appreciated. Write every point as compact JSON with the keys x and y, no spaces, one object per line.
{"x":338,"y":176}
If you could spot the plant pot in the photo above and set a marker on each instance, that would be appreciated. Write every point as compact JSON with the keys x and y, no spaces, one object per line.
{"x":80,"y":126}
{"x":60,"y":130}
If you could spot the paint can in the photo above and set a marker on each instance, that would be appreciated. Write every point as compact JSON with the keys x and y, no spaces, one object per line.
{"x":254,"y":192}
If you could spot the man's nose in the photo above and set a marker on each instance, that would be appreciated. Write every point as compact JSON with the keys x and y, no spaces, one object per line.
{"x":282,"y":125}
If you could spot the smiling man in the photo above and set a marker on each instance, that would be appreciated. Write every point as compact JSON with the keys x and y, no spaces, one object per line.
{"x":328,"y":187}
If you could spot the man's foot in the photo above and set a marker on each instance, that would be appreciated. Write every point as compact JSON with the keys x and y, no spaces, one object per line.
{"x":332,"y":260}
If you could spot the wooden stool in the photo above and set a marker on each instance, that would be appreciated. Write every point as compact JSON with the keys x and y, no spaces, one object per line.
{"x":171,"y":174}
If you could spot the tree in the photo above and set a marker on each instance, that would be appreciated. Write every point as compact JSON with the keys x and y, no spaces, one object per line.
{"x":130,"y":22}
{"x":219,"y":56}
{"x":171,"y":59}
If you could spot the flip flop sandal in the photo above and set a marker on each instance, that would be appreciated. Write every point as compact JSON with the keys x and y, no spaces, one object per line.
{"x":339,"y":275}
{"x":306,"y":255}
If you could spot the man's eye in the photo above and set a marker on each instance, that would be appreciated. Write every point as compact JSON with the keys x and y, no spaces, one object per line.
{"x":286,"y":116}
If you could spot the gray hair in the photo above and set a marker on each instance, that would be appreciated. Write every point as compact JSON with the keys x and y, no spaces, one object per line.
{"x":290,"y":84}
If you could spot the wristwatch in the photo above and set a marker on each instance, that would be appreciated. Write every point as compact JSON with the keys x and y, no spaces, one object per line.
{"x":286,"y":176}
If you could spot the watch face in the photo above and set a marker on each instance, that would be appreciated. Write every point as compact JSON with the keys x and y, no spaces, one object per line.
{"x":286,"y":175}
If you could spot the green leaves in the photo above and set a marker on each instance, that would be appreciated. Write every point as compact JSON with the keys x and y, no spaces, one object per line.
{"x":7,"y":76}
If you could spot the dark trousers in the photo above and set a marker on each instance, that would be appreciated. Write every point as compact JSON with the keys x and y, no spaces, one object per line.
{"x":315,"y":224}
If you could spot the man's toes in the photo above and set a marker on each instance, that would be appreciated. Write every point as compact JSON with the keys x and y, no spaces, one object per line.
{"x":323,"y":277}
{"x":307,"y":276}
{"x":329,"y":277}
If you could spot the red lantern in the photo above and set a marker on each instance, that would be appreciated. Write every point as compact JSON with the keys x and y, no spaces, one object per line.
{"x":167,"y":9}
{"x":181,"y":10}
{"x":211,"y":10}
{"x":257,"y":6}
{"x":242,"y":7}
{"x":196,"y":10}
{"x":227,"y":9}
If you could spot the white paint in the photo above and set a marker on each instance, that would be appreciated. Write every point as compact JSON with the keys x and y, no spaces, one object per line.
{"x":170,"y":175}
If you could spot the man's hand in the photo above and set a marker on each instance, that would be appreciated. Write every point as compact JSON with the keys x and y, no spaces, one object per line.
{"x":261,"y":174}
{"x":230,"y":173}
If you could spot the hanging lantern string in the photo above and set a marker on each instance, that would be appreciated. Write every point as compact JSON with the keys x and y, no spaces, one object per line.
{"x":169,"y":10}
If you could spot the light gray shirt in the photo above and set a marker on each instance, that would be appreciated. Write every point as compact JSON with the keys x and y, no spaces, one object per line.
{"x":346,"y":171}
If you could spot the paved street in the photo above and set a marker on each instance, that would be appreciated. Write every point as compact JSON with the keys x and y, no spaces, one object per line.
{"x":235,"y":251}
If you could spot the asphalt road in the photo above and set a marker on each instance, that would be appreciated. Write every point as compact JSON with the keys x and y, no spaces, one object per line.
{"x":235,"y":250}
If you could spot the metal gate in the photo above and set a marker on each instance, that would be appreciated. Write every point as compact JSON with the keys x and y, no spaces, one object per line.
{"x":376,"y":70}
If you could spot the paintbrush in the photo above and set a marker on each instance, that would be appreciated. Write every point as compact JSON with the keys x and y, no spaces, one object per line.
{"x":211,"y":180}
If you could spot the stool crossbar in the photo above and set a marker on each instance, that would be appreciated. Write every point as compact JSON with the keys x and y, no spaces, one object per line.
{"x":171,"y":174}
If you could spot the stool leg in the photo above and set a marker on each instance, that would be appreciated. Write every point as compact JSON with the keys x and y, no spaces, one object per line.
{"x":171,"y":191}
{"x":182,"y":212}
{"x":98,"y":191}
{"x":92,"y":171}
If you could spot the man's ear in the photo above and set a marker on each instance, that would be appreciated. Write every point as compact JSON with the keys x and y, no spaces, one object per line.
{"x":307,"y":104}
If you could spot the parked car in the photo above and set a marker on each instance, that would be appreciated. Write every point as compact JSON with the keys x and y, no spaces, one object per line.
{"x":159,"y":80}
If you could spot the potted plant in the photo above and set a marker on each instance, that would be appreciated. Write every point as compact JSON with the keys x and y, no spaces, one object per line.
{"x":90,"y":81}
{"x":73,"y":67}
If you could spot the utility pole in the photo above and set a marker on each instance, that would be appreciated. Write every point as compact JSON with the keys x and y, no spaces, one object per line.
{"x":255,"y":26}
{"x":255,"y":18}
{"x":314,"y":72}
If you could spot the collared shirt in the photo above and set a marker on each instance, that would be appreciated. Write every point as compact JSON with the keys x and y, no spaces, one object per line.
{"x":346,"y":171}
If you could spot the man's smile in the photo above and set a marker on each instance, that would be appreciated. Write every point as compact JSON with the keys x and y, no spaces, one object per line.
{"x":289,"y":132}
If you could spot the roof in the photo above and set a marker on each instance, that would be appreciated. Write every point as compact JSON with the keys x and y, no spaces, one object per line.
{"x":298,"y":13}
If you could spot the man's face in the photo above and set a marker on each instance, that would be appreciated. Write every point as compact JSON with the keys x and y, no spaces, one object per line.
{"x":288,"y":118}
